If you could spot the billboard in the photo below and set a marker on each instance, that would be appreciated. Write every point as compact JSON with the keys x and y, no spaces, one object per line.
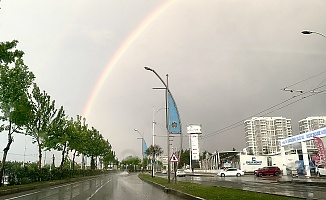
{"x":304,"y":137}
{"x":174,"y":118}
{"x":194,"y":146}
{"x":194,"y":129}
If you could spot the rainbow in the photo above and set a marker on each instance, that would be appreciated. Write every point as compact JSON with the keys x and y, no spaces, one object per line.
{"x":122,"y":49}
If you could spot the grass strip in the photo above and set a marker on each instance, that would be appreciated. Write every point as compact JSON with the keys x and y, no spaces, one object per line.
{"x":210,"y":192}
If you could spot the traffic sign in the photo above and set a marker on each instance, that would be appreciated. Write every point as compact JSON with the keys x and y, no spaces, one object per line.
{"x":174,"y":158}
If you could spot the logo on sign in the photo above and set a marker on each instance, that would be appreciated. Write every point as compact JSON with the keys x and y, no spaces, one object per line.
{"x":174,"y":124}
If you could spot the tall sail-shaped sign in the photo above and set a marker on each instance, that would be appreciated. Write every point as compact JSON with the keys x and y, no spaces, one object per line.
{"x":144,"y":145}
{"x":321,"y":150}
{"x":174,"y":118}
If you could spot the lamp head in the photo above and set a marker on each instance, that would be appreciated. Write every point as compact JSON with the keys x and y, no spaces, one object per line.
{"x":306,"y":32}
{"x":147,"y":68}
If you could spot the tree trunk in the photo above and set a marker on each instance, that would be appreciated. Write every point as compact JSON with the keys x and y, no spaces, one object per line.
{"x":63,"y":155}
{"x":83,"y":161}
{"x":73,"y":161}
{"x":92,"y":162}
{"x":5,"y":153}
{"x":39,"y":154}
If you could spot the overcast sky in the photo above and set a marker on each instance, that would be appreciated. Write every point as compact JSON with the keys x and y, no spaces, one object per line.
{"x":227,"y":60}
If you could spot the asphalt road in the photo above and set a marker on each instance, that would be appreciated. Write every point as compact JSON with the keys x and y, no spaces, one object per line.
{"x":110,"y":186}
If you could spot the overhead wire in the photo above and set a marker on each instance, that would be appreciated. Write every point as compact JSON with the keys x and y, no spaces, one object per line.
{"x":240,"y":123}
{"x":305,"y":79}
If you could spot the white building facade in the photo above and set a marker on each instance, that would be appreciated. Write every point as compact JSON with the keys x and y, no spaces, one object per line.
{"x":310,"y":124}
{"x":262,"y":134}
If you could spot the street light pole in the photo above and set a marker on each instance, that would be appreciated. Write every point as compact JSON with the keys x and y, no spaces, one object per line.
{"x":167,"y":125}
{"x":166,"y":117}
{"x":154,"y":114}
{"x":154,"y":122}
{"x":303,"y":144}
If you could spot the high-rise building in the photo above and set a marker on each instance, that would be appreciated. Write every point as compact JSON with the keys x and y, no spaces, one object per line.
{"x":310,"y":124}
{"x":262,"y":134}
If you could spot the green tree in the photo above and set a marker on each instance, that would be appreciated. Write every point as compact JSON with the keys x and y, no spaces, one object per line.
{"x":205,"y":155}
{"x":15,"y":80}
{"x":95,"y":146}
{"x":82,"y":138}
{"x":75,"y":139}
{"x":56,"y":137}
{"x":154,"y":151}
{"x":108,"y":155}
{"x":131,"y":162}
{"x":43,"y":113}
{"x":184,"y":157}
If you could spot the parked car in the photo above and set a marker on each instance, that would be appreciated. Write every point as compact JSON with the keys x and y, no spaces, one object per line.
{"x":230,"y":172}
{"x":181,"y":172}
{"x":269,"y":170}
{"x":164,"y":171}
{"x":321,"y":170}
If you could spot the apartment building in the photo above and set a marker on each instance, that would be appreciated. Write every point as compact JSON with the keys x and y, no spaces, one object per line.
{"x":311,"y":124}
{"x":262,"y":134}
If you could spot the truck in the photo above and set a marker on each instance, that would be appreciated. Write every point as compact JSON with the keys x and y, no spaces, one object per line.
{"x":321,"y":170}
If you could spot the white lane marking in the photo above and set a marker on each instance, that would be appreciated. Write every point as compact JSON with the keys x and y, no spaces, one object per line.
{"x":69,"y":184}
{"x":98,"y":189}
{"x":50,"y":189}
{"x":24,"y":195}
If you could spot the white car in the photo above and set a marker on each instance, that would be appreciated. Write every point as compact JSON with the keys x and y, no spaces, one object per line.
{"x":230,"y":172}
{"x":181,"y":172}
{"x":320,"y":170}
{"x":164,"y":171}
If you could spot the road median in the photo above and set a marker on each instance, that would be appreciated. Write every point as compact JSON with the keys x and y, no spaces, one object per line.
{"x":199,"y":191}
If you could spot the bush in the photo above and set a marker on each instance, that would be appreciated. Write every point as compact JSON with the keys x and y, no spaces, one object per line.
{"x":23,"y":173}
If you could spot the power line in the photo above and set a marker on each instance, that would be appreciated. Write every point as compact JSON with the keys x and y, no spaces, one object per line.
{"x":305,"y":79}
{"x":240,"y":123}
{"x":234,"y":125}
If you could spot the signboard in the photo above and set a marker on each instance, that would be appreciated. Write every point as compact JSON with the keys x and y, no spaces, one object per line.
{"x":254,"y":161}
{"x":194,"y":146}
{"x":174,"y":158}
{"x":304,"y":137}
{"x":191,"y":129}
{"x":174,"y":119}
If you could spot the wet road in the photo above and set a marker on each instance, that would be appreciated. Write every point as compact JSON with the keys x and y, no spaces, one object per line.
{"x":109,"y":186}
{"x":262,"y":184}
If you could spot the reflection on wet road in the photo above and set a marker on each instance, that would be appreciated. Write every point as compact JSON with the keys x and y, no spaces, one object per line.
{"x":264,"y":185}
{"x":109,"y":186}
